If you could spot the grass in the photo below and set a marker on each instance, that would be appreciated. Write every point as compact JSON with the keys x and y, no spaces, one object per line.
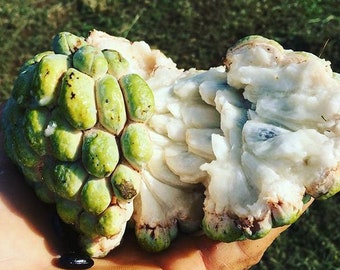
{"x":195,"y":34}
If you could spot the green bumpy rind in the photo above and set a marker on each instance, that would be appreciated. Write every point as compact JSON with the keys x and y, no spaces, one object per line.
{"x":48,"y":78}
{"x":26,"y":156}
{"x":111,"y":221}
{"x":91,"y":61}
{"x":66,"y":149}
{"x":125,"y":182}
{"x":35,"y":59}
{"x":32,"y":174}
{"x":154,"y":239}
{"x":77,"y":99}
{"x":221,"y":228}
{"x":68,"y":210}
{"x":87,"y":223}
{"x":35,"y":122}
{"x":138,"y":96}
{"x":21,"y":91}
{"x":111,"y":105}
{"x":44,"y":193}
{"x":117,"y":64}
{"x":281,"y":218}
{"x":67,"y":43}
{"x":65,"y":141}
{"x":47,"y":173}
{"x":136,"y":145}
{"x":68,"y":179}
{"x":100,"y":154}
{"x":96,"y":195}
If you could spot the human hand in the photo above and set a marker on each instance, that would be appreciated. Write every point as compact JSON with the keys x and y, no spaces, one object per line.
{"x":28,"y":240}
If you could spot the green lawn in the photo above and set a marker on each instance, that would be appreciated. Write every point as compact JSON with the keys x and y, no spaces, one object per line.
{"x":195,"y":33}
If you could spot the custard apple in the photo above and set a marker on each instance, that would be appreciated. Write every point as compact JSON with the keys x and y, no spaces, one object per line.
{"x":116,"y":136}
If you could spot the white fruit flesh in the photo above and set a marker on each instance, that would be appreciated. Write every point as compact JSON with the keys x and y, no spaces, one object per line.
{"x":257,"y":151}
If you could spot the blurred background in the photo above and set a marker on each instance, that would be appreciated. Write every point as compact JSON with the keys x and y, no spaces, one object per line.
{"x":195,"y":33}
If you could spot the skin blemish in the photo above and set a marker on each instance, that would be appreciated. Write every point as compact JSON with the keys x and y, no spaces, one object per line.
{"x":68,"y":84}
{"x":306,"y":161}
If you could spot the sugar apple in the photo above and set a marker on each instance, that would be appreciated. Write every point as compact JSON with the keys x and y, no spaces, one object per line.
{"x":115,"y":135}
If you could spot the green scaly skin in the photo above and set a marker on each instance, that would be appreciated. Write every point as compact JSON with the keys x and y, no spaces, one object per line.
{"x":47,"y":78}
{"x":77,"y":99}
{"x":100,"y":154}
{"x":64,"y":140}
{"x":117,"y":64}
{"x":111,"y":105}
{"x":139,"y":97}
{"x":91,"y":61}
{"x":62,"y":125}
{"x":136,"y":145}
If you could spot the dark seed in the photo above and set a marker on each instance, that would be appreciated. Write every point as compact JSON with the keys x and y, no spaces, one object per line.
{"x":265,"y":134}
{"x":75,"y":261}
